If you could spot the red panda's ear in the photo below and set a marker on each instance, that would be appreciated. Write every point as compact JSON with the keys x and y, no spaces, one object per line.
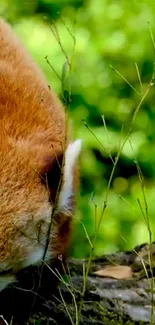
{"x":51,"y":174}
{"x":65,"y":200}
{"x":58,"y":176}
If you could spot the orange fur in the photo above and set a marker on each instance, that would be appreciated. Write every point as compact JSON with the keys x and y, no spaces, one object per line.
{"x":32,"y":133}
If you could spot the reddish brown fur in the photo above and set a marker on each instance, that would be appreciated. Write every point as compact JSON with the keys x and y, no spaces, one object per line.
{"x":32,"y":131}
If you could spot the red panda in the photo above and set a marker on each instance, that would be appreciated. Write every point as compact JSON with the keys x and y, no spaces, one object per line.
{"x":32,"y":147}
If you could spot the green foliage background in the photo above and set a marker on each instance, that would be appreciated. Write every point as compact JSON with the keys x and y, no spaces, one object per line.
{"x":108,"y":33}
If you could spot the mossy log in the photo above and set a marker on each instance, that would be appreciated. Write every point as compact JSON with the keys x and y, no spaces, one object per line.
{"x":34,"y":299}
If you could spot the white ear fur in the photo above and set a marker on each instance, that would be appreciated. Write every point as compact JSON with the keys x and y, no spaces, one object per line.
{"x":5,"y":280}
{"x":71,"y":156}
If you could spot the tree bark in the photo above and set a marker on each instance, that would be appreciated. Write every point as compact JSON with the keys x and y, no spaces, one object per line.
{"x":35,"y":298}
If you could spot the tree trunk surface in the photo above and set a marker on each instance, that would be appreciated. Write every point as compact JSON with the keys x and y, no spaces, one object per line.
{"x":108,"y":298}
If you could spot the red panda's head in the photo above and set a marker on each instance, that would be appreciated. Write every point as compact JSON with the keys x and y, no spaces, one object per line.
{"x":37,"y":201}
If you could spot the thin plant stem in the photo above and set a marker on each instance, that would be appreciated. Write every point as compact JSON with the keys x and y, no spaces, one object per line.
{"x":139,"y":77}
{"x":125,"y":80}
{"x":108,"y":188}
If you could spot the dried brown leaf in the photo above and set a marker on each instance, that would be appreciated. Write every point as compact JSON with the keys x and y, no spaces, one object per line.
{"x":116,"y":272}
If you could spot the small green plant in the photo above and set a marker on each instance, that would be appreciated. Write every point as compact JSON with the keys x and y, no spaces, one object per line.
{"x":66,"y":94}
